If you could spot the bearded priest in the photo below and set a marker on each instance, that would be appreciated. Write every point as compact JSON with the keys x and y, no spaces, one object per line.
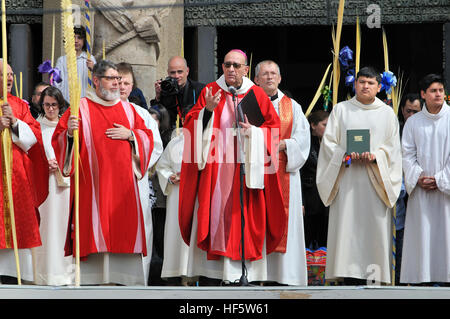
{"x":115,"y":152}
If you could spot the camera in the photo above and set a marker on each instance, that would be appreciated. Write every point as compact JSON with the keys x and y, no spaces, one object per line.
{"x":169,"y":86}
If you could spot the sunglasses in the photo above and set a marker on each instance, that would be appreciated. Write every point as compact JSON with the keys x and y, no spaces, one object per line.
{"x":235,"y":65}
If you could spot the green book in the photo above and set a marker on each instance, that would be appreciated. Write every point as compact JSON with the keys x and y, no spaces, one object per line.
{"x":358,"y":141}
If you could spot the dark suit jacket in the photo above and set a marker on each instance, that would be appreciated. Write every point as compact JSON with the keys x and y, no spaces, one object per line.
{"x":186,"y":99}
{"x":311,"y":199}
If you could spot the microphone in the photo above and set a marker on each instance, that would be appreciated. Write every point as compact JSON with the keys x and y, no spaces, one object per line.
{"x":240,"y":115}
{"x":232,"y":90}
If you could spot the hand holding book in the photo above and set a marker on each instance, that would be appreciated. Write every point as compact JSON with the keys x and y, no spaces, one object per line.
{"x":358,"y":147}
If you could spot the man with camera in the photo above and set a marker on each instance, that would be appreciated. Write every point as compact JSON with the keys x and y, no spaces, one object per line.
{"x":177,"y":93}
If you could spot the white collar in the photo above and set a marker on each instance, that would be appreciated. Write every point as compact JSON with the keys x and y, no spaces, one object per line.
{"x":246,"y":84}
{"x":442,"y":112}
{"x":92,"y":95}
{"x":42,"y":119}
{"x":376,"y":104}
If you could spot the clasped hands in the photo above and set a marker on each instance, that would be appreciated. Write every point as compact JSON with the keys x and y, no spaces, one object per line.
{"x":7,"y":119}
{"x":118,"y":132}
{"x":428,"y":183}
{"x":363,"y":158}
{"x":52,"y":165}
{"x":175,"y":178}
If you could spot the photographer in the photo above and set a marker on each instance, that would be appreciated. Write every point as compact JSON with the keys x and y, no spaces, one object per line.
{"x":177,"y":93}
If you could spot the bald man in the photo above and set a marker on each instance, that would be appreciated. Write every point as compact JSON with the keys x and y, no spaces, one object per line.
{"x":209,"y":208}
{"x":290,"y":267}
{"x":182,"y":99}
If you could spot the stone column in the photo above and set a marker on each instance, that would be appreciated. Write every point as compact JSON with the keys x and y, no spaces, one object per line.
{"x":53,"y":6}
{"x":206,"y":59}
{"x":21,"y":57}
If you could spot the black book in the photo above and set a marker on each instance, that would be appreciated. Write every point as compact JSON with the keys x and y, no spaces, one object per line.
{"x":250,"y":107}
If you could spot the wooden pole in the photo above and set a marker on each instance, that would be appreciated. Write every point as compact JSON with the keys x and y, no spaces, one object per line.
{"x":87,"y":16}
{"x":53,"y":43}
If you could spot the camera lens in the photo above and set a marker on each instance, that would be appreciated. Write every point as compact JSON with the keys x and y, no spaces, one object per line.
{"x":169,"y":86}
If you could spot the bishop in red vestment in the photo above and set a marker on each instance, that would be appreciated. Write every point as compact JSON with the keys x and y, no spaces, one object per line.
{"x":209,"y":208}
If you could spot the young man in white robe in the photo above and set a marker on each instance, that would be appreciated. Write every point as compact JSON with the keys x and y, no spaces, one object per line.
{"x":289,"y":267}
{"x":126,"y":85}
{"x":426,"y":165}
{"x":176,"y":251}
{"x":361,"y":195}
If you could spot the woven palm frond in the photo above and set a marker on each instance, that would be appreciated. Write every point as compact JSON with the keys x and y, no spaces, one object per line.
{"x":336,"y":44}
{"x":358,"y":46}
{"x":69,"y":47}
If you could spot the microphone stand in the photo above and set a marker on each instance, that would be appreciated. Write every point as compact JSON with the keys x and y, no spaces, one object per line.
{"x":243,"y":281}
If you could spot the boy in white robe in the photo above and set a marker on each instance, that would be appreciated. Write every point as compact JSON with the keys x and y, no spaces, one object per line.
{"x":361,"y":195}
{"x":176,"y":252}
{"x":426,"y":164}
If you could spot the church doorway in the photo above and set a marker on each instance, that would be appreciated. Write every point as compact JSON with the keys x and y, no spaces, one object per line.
{"x":304,"y":52}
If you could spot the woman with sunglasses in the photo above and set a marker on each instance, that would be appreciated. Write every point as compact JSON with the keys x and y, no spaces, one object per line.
{"x":51,"y":266}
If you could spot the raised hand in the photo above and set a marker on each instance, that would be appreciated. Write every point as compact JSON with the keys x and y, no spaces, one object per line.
{"x":212,"y":100}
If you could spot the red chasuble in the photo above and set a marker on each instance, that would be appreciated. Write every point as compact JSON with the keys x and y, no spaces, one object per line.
{"x":111,"y":217}
{"x":29,"y":185}
{"x":263,"y":208}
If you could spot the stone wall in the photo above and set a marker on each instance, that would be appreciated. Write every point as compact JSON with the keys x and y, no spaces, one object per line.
{"x":315,"y":12}
{"x":141,"y":32}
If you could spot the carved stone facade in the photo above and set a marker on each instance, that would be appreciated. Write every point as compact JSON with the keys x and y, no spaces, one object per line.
{"x":141,"y":32}
{"x":315,"y":12}
{"x":24,"y":11}
{"x":131,"y":32}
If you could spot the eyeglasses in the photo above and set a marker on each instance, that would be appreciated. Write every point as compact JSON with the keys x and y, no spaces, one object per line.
{"x":54,"y":105}
{"x":111,"y":78}
{"x":411,"y":111}
{"x":235,"y":65}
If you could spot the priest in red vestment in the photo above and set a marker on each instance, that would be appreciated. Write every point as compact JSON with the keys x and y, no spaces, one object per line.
{"x":29,"y":182}
{"x":209,"y":209}
{"x":115,"y":151}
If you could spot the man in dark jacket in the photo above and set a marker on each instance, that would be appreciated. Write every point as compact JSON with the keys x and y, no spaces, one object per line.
{"x":177,"y":93}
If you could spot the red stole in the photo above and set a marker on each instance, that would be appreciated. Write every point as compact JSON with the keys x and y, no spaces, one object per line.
{"x":285,"y":107}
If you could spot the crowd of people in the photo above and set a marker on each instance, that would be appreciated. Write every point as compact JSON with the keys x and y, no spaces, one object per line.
{"x":223,"y":183}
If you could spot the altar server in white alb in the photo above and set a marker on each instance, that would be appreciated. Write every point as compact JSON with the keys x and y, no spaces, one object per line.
{"x":361,"y":195}
{"x":126,"y":85}
{"x":289,"y":267}
{"x":176,"y":252}
{"x":426,"y":165}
